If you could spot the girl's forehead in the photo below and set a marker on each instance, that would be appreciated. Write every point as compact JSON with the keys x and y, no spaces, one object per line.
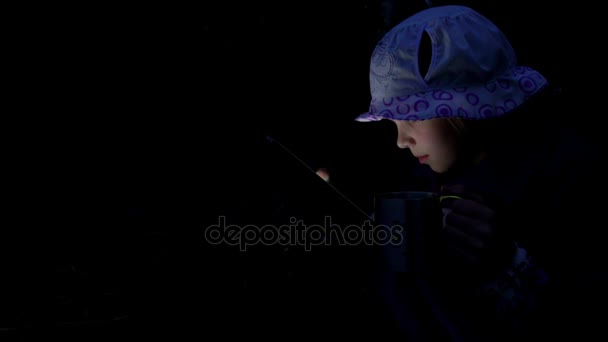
{"x":425,"y":123}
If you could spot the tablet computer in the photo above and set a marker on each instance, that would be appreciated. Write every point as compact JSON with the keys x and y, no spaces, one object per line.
{"x":307,"y":193}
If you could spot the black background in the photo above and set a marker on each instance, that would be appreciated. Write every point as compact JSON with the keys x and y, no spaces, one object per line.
{"x":146,"y":122}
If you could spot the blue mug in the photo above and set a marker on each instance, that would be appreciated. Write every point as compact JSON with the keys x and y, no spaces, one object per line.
{"x":419,"y":217}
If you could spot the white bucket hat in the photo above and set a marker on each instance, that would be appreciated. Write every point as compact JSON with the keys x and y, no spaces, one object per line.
{"x":473,"y":71}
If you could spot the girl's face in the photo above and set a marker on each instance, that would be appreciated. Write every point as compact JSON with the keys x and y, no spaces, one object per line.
{"x":434,"y":142}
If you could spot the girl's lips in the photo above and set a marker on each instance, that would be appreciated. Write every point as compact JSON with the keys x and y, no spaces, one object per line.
{"x":423,"y":159}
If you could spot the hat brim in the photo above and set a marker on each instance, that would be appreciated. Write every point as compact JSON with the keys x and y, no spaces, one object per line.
{"x":492,"y":99}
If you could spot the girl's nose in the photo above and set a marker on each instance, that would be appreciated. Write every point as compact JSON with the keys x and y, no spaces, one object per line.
{"x":404,"y":140}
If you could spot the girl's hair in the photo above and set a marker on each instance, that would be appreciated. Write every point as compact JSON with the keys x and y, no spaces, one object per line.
{"x":522,"y":124}
{"x":458,"y":125}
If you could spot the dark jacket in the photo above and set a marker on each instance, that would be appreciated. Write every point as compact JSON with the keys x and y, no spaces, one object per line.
{"x":545,"y":184}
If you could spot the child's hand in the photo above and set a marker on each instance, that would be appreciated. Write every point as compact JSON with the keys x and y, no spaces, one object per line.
{"x":470,"y":232}
{"x":323,"y":173}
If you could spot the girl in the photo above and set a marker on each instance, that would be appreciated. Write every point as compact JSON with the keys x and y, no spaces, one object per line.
{"x":516,"y":256}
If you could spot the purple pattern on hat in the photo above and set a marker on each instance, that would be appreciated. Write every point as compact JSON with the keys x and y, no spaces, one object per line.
{"x":504,"y":84}
{"x":492,"y":99}
{"x":463,"y":40}
{"x":442,"y":95}
{"x":491,"y":86}
{"x":510,"y":104}
{"x":421,"y":105}
{"x":472,"y":99}
{"x":520,"y":70}
{"x":403,"y":109}
{"x":527,"y":84}
{"x":485,"y":111}
{"x":382,"y":60}
{"x":444,"y":110}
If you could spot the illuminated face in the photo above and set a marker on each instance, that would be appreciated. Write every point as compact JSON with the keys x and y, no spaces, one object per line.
{"x":432,"y":141}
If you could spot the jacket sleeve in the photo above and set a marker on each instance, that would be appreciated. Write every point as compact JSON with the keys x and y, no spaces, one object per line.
{"x":514,"y":294}
{"x":557,"y":282}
